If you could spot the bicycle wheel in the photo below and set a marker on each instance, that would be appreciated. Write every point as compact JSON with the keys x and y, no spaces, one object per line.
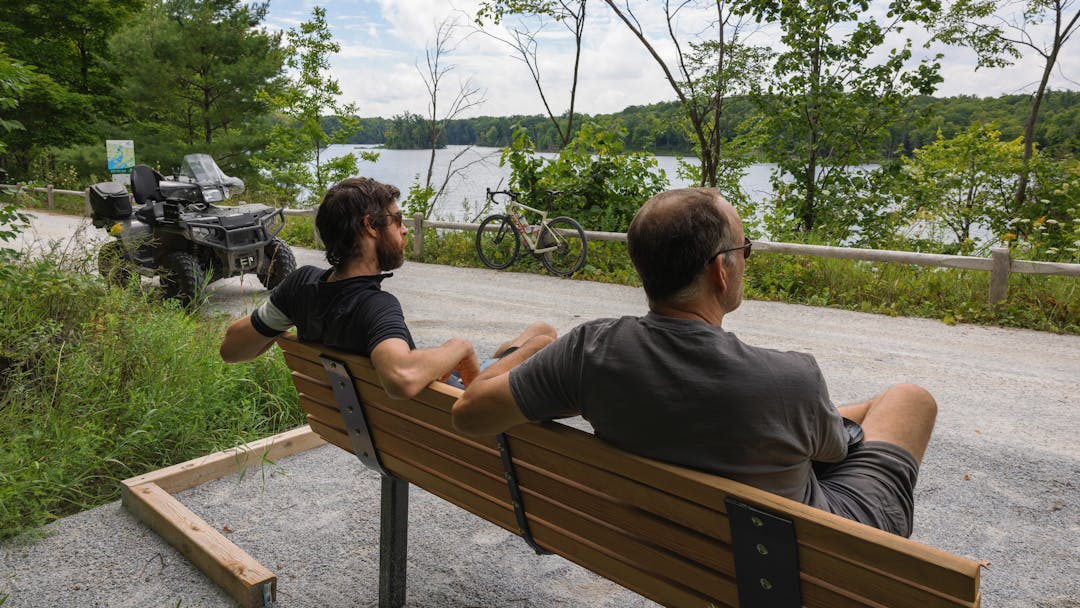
{"x":570,"y":247}
{"x":497,"y":243}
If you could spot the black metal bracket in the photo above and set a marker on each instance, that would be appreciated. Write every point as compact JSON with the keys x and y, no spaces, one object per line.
{"x":348,"y":402}
{"x":515,"y":494}
{"x":766,"y":557}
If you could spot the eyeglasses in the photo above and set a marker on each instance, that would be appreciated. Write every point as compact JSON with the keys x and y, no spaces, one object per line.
{"x":746,"y":247}
{"x":396,"y":216}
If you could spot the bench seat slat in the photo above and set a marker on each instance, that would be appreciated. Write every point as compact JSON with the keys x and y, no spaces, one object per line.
{"x":586,"y":475}
{"x":577,"y":550}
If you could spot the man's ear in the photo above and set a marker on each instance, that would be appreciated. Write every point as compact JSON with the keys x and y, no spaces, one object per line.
{"x":370,"y":230}
{"x":718,"y":273}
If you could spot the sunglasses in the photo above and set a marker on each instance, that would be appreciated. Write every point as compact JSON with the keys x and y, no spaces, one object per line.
{"x":396,"y":216}
{"x":747,"y":247}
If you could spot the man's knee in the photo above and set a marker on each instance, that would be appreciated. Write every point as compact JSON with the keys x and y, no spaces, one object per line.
{"x":917,"y":398}
{"x":540,"y":328}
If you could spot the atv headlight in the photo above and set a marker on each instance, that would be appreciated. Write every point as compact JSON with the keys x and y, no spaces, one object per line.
{"x":213,"y":195}
{"x":273,"y":222}
{"x":206,"y":235}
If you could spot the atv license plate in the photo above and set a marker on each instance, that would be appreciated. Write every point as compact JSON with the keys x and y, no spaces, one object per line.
{"x":247,"y":261}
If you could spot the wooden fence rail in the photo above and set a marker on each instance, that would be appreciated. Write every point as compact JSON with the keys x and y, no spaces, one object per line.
{"x":1000,"y":263}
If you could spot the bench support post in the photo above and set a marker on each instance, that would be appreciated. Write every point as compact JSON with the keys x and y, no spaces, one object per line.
{"x":394,"y":504}
{"x":766,"y":557}
{"x":393,"y":542}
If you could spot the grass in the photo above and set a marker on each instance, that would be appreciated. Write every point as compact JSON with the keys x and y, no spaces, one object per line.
{"x":99,"y":383}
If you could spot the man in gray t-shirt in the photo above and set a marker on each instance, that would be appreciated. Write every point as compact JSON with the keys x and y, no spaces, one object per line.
{"x":675,"y":386}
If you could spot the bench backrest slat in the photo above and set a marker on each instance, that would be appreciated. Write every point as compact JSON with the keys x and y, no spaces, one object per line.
{"x":657,"y":529}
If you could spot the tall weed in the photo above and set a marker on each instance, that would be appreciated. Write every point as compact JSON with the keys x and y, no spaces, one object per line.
{"x":99,"y":384}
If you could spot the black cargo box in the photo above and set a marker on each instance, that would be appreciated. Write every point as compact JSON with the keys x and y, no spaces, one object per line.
{"x":110,"y":200}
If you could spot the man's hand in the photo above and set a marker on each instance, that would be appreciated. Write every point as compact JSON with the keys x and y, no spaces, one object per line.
{"x":468,"y":368}
{"x":487,"y":407}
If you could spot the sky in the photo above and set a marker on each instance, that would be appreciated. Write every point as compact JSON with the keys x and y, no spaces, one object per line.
{"x":383,"y":42}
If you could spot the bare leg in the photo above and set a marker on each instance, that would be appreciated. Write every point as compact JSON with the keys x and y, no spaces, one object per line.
{"x":903,"y":415}
{"x":536,"y":329}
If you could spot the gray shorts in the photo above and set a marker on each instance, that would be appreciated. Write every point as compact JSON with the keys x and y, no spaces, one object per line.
{"x":874,"y":485}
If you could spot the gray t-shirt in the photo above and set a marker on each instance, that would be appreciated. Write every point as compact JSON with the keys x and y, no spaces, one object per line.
{"x":690,"y":393}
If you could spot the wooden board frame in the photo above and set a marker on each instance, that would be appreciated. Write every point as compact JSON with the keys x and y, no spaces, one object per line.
{"x":150,"y":498}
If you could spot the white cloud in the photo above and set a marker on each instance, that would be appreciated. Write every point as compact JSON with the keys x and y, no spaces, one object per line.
{"x":382,"y":40}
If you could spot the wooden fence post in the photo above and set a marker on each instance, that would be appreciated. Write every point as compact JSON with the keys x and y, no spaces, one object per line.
{"x":49,"y":196}
{"x":418,"y":236}
{"x":999,"y":274}
{"x":89,"y":208}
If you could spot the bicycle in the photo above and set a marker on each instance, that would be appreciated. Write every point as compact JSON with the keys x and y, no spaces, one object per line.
{"x":559,"y":242}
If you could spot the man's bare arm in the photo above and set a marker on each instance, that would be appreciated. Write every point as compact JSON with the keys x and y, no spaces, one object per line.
{"x":404,"y":372}
{"x":243,"y":342}
{"x":488,"y":407}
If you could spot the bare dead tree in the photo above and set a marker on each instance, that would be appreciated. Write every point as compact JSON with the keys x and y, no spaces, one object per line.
{"x":703,"y":75}
{"x":467,"y":96}
{"x":523,"y":40}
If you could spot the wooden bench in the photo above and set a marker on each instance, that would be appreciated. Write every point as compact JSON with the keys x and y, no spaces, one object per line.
{"x":676,"y":536}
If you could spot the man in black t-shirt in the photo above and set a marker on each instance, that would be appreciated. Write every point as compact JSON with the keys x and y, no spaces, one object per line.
{"x":344,"y":307}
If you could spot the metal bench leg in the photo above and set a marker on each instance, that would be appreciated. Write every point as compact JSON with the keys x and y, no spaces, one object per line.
{"x":393,"y":542}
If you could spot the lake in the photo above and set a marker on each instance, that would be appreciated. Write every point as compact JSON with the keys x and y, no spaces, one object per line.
{"x":465,"y":192}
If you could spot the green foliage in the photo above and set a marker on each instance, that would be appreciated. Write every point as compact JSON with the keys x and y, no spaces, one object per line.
{"x":601,"y":186}
{"x":293,"y":158}
{"x":408,"y":131}
{"x":420,"y":199}
{"x":1047,"y":227}
{"x":12,"y":222}
{"x":101,"y":384}
{"x":196,"y":77}
{"x":14,"y":77}
{"x":964,"y":181}
{"x":953,"y":296}
{"x":826,"y":105}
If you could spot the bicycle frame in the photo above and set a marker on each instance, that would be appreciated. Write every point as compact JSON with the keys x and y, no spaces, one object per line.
{"x":512,"y":205}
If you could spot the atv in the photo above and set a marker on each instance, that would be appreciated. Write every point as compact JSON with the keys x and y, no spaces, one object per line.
{"x":177,"y":231}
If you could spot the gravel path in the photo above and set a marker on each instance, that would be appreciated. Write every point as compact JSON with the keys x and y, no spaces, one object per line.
{"x":1000,"y":482}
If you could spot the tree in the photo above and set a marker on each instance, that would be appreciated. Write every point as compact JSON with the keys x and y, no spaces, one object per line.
{"x":600,"y":186}
{"x":826,"y":103}
{"x":571,"y":14}
{"x":72,"y":85}
{"x":14,"y":78}
{"x":1000,"y":40}
{"x":294,"y":157}
{"x":199,"y":75}
{"x":964,"y":181}
{"x":707,"y":72}
{"x":423,"y":198}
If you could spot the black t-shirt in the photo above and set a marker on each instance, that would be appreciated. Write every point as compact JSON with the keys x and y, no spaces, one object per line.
{"x":353,"y":315}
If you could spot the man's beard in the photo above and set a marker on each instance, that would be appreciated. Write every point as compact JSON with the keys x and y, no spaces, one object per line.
{"x":389,"y":256}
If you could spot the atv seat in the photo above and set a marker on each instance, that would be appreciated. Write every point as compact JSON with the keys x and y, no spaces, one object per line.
{"x":145,"y":183}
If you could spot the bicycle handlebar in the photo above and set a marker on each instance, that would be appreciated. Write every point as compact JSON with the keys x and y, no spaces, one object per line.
{"x":515,"y":194}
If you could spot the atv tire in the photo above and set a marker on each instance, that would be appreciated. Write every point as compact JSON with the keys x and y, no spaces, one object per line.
{"x":280,"y":262}
{"x":182,"y":278}
{"x":114,"y":265}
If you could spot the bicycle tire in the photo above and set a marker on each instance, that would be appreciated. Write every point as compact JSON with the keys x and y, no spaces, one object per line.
{"x":497,"y":242}
{"x":570,"y":249}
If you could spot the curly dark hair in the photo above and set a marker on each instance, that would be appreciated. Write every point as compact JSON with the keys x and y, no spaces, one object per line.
{"x":671,"y":237}
{"x":341,"y":215}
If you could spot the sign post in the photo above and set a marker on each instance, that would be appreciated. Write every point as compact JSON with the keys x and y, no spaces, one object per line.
{"x":120,"y":154}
